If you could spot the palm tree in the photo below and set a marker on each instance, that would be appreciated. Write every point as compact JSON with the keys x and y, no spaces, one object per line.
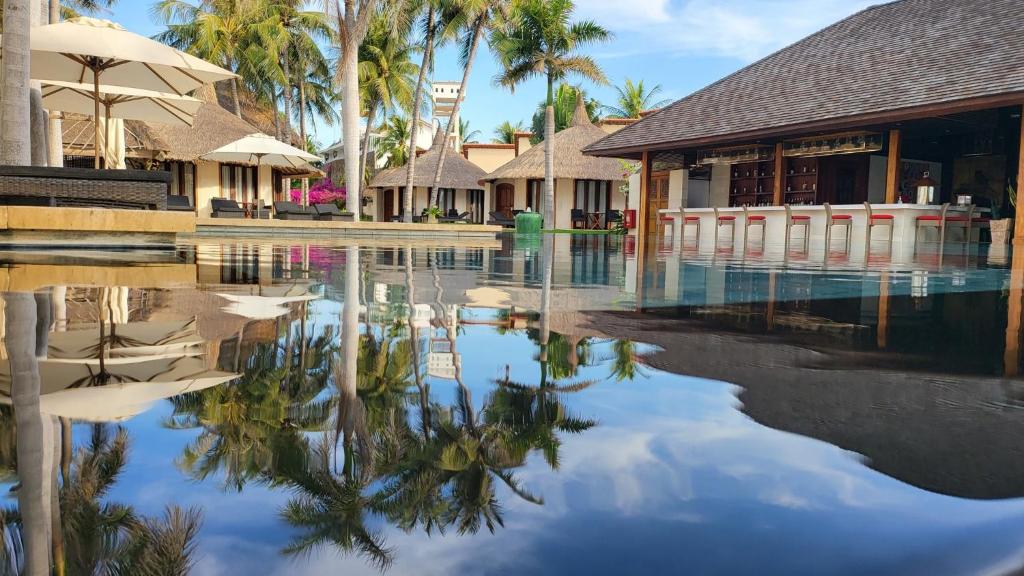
{"x":429,"y":39}
{"x":505,"y":133}
{"x":541,"y":40}
{"x":15,"y":128}
{"x":216,"y":30}
{"x":466,"y":134}
{"x":476,"y":16}
{"x":387,"y":77}
{"x":627,"y":363}
{"x":395,"y":143}
{"x":565,"y":106}
{"x":633,"y":99}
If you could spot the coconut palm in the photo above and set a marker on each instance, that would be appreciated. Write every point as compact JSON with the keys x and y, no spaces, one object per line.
{"x":395,"y":143}
{"x":627,"y":363}
{"x":387,"y":78}
{"x":505,"y":133}
{"x":564,"y":107}
{"x":429,"y":19}
{"x":633,"y":99}
{"x":467,"y":134}
{"x":540,"y":40}
{"x":15,"y":129}
{"x":216,"y":30}
{"x":476,"y":17}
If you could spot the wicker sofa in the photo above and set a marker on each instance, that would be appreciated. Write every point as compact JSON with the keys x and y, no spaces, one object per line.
{"x":82,"y":187}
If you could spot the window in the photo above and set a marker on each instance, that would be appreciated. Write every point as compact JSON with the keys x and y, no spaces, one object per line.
{"x":183,"y":179}
{"x":446,"y":198}
{"x":534,"y":195}
{"x":239,"y":183}
{"x":592,"y":196}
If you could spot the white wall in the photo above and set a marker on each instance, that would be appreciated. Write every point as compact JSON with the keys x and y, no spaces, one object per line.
{"x":677,"y":185}
{"x":719,"y":191}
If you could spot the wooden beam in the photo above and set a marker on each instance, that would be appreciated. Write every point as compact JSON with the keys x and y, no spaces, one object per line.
{"x":1014,"y":316}
{"x":882,"y":333}
{"x":892,"y":167}
{"x":1018,"y":224}
{"x":777,"y":198}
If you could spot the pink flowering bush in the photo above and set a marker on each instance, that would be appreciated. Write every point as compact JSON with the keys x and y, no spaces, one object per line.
{"x":323,"y":192}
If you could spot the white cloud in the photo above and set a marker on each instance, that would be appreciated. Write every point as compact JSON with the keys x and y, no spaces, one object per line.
{"x":742,"y":29}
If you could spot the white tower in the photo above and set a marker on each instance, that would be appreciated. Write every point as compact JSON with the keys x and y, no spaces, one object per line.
{"x":444,"y":94}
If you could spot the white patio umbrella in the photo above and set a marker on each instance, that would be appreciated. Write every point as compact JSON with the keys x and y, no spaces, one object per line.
{"x":261,"y":307}
{"x":86,"y":50}
{"x":120,"y":103}
{"x":77,"y":391}
{"x":262,"y":150}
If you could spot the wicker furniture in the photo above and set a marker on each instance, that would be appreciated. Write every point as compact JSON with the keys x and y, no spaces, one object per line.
{"x":291,"y":211}
{"x":876,"y":219}
{"x":128,"y":189}
{"x":177,"y":203}
{"x":331,"y":212}
{"x":500,"y":219}
{"x":845,"y":220}
{"x":793,"y":220}
{"x":755,"y":220}
{"x":724,"y":220}
{"x":942,"y":222}
{"x":226,"y":208}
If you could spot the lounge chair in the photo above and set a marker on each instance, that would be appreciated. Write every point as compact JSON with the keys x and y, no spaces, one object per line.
{"x":291,"y":211}
{"x":454,"y":218}
{"x":499,"y":219}
{"x":177,"y":203}
{"x":225,"y":208}
{"x":612,"y":218}
{"x":331,"y":212}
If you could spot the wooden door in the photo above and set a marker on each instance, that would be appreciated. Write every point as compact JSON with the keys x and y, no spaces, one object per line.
{"x":657,"y":199}
{"x":388,"y":205}
{"x":504,"y":199}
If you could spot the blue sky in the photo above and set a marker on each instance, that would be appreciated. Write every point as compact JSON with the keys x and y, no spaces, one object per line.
{"x":681,"y":45}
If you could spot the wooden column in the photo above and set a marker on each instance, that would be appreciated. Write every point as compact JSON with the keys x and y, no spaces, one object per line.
{"x":1014,"y":316}
{"x":778,"y":199}
{"x":882,"y":333}
{"x":892,"y":167}
{"x":641,"y":226}
{"x":1018,"y":224}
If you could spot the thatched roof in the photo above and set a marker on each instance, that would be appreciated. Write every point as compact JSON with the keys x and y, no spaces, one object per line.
{"x":570,"y":162}
{"x":78,"y":135}
{"x":213,"y":127}
{"x":458,"y":172}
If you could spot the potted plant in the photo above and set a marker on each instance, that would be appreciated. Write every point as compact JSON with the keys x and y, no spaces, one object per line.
{"x":433,"y":213}
{"x":1002,"y":228}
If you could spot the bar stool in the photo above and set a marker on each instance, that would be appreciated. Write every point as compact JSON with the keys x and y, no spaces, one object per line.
{"x":797,"y":220}
{"x":755,"y":220}
{"x":874,"y":219}
{"x":684,"y":220}
{"x":845,"y":220}
{"x":982,"y":223}
{"x":942,"y":222}
{"x":721,"y":221}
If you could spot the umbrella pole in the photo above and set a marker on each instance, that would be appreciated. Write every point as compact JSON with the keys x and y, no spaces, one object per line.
{"x":96,"y":115}
{"x":106,"y":135}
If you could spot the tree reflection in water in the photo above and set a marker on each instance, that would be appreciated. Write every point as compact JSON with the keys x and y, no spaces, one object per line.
{"x":71,"y":527}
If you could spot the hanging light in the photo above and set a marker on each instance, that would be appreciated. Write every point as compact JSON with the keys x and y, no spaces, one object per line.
{"x":925,"y":189}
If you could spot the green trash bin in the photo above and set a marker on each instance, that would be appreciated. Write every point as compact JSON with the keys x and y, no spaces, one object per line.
{"x":529,"y":223}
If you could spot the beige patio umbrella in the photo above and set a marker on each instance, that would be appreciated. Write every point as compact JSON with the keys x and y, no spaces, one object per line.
{"x":94,"y":51}
{"x":262,"y":150}
{"x":132,"y":342}
{"x":120,"y":103}
{"x":81,"y":392}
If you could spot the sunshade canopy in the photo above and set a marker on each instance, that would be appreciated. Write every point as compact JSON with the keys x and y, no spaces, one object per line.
{"x":260,"y":149}
{"x":69,"y":51}
{"x":121,"y":102}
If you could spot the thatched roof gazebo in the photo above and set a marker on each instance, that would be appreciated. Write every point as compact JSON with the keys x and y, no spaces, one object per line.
{"x":570,"y":162}
{"x":458,"y":173}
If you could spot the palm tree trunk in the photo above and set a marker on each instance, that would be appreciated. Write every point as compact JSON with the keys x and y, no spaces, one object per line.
{"x":350,"y":354}
{"x":364,"y":162}
{"x":421,"y":385}
{"x":549,"y":167}
{"x":234,"y":97}
{"x":33,"y":500}
{"x":545,"y":302}
{"x":453,"y":120}
{"x":350,"y":109}
{"x":302,"y":132}
{"x":39,"y":119}
{"x":428,"y":55}
{"x":286,"y":94}
{"x":15,"y":129}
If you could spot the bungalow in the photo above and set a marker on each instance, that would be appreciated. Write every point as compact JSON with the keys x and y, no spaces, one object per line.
{"x":460,"y":188}
{"x":584,"y":185}
{"x":914,"y":101}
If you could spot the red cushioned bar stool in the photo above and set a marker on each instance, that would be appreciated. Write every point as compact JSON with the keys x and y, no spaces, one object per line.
{"x":832,"y":219}
{"x":943,"y":221}
{"x":876,"y":219}
{"x":688,"y":220}
{"x":752,"y":220}
{"x":724,"y":220}
{"x":793,"y":220}
{"x":982,"y":223}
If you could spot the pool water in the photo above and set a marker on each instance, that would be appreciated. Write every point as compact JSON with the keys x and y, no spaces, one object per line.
{"x":517,"y":406}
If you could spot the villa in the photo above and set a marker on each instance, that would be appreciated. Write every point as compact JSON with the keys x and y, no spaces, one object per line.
{"x":907,"y":105}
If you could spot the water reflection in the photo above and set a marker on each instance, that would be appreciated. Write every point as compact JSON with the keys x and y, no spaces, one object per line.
{"x":501,"y":409}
